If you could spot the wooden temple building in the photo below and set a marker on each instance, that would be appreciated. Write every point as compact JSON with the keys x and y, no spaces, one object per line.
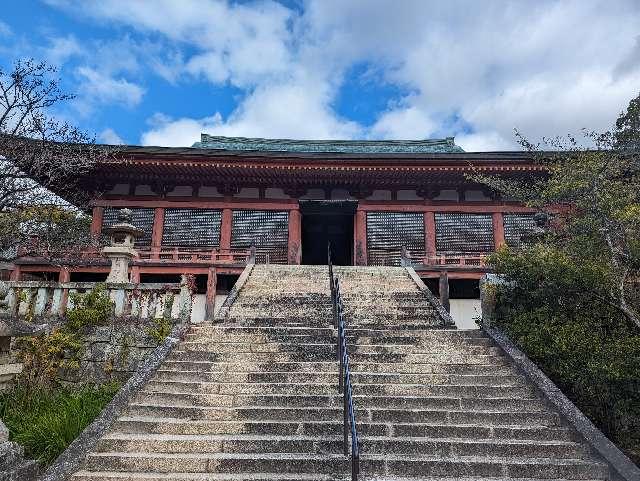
{"x":203,"y":207}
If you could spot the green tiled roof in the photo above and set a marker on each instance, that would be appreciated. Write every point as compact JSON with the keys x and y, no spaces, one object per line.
{"x":446,"y":145}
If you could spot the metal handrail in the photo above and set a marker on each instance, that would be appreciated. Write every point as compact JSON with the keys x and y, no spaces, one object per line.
{"x":344,"y":380}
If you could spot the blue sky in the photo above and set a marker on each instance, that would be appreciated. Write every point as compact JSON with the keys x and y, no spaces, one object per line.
{"x":162,"y":71}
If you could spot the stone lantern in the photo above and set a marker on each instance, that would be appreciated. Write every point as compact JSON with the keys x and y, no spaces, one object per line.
{"x":123,"y":236}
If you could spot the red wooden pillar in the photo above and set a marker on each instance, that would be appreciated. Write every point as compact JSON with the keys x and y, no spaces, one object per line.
{"x":96,"y":222}
{"x":430,"y":234}
{"x":295,"y":236}
{"x":210,"y":303}
{"x":156,"y":234}
{"x":134,"y":275}
{"x":498,"y":230}
{"x":225,"y":229}
{"x":63,"y":278}
{"x":360,"y":238}
{"x":16,"y":274}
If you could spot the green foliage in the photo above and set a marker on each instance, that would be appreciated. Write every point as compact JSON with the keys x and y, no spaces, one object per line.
{"x":52,"y":227}
{"x":572,"y":302}
{"x":46,"y":421}
{"x":628,"y":126}
{"x":91,"y":309}
{"x":160,"y":330}
{"x":557,"y":310}
{"x":43,"y":356}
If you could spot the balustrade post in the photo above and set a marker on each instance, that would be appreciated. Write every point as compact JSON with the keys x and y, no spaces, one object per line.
{"x":444,"y":290}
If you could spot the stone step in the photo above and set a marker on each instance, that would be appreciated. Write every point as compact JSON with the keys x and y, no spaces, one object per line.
{"x":332,"y":377}
{"x":504,"y":417}
{"x":250,"y":443}
{"x":330,"y":388}
{"x":150,"y":476}
{"x":186,"y":399}
{"x":328,"y":345}
{"x":329,"y":354}
{"x":175,"y":426}
{"x":332,"y":366}
{"x":543,"y":468}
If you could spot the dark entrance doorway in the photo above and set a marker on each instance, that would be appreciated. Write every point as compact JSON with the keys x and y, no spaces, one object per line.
{"x":325,"y":221}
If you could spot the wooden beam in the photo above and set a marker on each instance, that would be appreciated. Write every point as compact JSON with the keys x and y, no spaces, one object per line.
{"x":158,"y":227}
{"x":360,"y":238}
{"x":96,"y":221}
{"x":443,"y":285}
{"x":225,"y":229}
{"x":430,"y":234}
{"x":295,"y":237}
{"x":210,"y":304}
{"x":498,"y":230}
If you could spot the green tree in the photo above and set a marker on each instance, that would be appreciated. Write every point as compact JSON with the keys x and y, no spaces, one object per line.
{"x":572,"y":302}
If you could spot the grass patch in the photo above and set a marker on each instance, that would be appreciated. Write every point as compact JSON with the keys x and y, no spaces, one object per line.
{"x":46,"y":421}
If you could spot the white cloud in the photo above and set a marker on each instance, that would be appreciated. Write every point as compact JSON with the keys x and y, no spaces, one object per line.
{"x":96,"y":88}
{"x":5,"y":30}
{"x":272,"y":111}
{"x":62,"y":49}
{"x":109,"y":136}
{"x":404,"y":123}
{"x":546,"y":68}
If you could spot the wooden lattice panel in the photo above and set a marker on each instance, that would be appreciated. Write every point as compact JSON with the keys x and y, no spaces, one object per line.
{"x":388,"y":232}
{"x":141,"y":217}
{"x":192,"y":227}
{"x":517,"y":226}
{"x":267,"y":230}
{"x":462,"y":233}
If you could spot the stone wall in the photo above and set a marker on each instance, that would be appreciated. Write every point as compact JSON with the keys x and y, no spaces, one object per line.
{"x":111,"y":353}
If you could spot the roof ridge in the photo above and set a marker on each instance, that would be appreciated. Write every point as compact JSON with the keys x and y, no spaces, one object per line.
{"x":442,"y":145}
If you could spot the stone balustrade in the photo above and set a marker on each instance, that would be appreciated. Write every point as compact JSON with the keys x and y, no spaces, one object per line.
{"x":42,"y":301}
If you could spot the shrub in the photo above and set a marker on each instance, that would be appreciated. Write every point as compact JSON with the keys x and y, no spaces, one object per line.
{"x":91,"y":309}
{"x":44,"y":355}
{"x":557,"y":311}
{"x":46,"y":421}
{"x":160,"y":330}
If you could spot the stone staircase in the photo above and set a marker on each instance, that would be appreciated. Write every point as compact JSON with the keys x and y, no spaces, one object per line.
{"x":255,"y":397}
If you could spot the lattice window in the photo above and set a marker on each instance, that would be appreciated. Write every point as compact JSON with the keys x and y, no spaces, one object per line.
{"x":191,"y":227}
{"x":388,"y":232}
{"x":517,"y":226}
{"x":460,"y":233}
{"x":267,"y":230}
{"x":142,"y":218}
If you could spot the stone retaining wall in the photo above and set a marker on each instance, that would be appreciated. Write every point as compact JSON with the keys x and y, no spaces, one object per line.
{"x":111,"y":352}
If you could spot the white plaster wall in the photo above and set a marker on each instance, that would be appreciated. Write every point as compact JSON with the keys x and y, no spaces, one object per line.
{"x":408,"y":195}
{"x":248,"y":193}
{"x":341,"y":194}
{"x":464,"y":311}
{"x":275,"y":193}
{"x":209,"y":191}
{"x":181,"y":191}
{"x":197,"y":308}
{"x":314,"y":194}
{"x":144,"y":190}
{"x":447,"y":194}
{"x":476,"y":196}
{"x":380,"y":195}
{"x":120,"y":189}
